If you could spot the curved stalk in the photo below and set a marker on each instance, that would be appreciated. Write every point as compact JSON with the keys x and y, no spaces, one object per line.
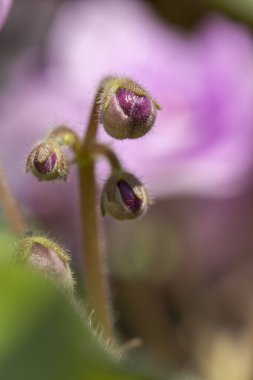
{"x":10,"y":206}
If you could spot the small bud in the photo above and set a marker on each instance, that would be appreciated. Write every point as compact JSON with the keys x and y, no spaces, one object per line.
{"x":45,"y":256}
{"x":47,"y":162}
{"x":63,"y":135}
{"x":126,"y":109}
{"x":124,"y":197}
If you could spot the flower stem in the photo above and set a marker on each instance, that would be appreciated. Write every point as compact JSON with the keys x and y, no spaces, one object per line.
{"x":95,"y":270}
{"x":10,"y":206}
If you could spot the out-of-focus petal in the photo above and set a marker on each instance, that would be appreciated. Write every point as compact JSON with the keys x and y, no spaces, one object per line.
{"x":5,"y":6}
{"x":202,"y":140}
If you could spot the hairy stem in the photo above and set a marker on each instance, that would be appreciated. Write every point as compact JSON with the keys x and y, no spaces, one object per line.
{"x":10,"y":206}
{"x":91,"y":131}
{"x":95,"y":269}
{"x":128,"y":345}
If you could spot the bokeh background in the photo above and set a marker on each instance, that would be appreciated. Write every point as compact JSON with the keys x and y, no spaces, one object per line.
{"x":182,"y":276}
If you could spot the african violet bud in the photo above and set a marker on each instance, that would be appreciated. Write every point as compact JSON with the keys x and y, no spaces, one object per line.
{"x":126,"y":109}
{"x":47,"y":162}
{"x":124,"y":197}
{"x":47,"y":257}
{"x":63,"y":135}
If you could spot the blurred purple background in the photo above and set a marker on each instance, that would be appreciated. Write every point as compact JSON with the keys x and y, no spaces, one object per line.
{"x":183,"y":274}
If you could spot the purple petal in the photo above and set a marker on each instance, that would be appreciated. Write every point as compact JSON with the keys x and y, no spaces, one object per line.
{"x":5,"y":6}
{"x":46,"y":166}
{"x":138,"y":108}
{"x":129,"y":197}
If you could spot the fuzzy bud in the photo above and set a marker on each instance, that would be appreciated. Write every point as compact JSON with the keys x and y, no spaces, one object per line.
{"x":124,"y":197}
{"x":63,"y":135}
{"x":126,"y":109}
{"x":47,"y":162}
{"x":45,"y":256}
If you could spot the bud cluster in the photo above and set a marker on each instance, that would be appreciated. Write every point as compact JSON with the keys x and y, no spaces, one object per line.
{"x":126,"y":110}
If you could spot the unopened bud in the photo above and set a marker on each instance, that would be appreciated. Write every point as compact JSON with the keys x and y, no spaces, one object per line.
{"x":47,"y":162}
{"x":45,"y":256}
{"x":124,"y":197}
{"x":126,"y":109}
{"x":63,"y":135}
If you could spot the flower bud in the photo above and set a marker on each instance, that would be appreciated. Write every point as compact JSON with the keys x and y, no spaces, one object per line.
{"x":47,"y":162}
{"x":45,"y":256}
{"x":126,"y":109}
{"x":63,"y":135}
{"x":124,"y":197}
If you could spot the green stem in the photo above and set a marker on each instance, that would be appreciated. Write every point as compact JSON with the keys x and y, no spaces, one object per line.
{"x":95,"y":268}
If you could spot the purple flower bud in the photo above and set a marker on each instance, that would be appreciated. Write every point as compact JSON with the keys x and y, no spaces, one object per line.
{"x":47,"y":162}
{"x":130,"y":199}
{"x":47,"y":257}
{"x":137,"y":108}
{"x":65,"y":136}
{"x":44,"y":161}
{"x":127,"y":110}
{"x":124,"y":197}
